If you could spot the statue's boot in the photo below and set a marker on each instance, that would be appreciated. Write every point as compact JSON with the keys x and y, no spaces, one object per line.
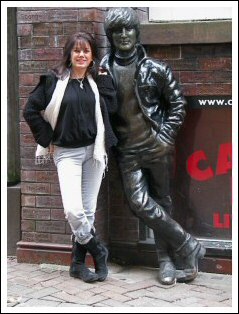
{"x":187,"y":261}
{"x":183,"y":243}
{"x":167,"y":270}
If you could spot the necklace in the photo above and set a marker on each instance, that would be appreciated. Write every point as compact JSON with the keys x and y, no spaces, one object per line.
{"x":81,"y":82}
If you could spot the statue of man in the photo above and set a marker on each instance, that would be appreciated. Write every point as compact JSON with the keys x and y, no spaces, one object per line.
{"x":151,"y":109}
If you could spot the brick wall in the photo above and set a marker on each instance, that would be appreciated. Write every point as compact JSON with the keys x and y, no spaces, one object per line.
{"x":201,"y":69}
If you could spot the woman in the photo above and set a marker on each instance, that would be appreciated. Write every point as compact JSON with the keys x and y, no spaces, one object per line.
{"x":75,"y":129}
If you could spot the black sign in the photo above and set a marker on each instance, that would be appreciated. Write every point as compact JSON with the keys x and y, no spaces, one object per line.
{"x":204,"y":170}
{"x":215,"y":102}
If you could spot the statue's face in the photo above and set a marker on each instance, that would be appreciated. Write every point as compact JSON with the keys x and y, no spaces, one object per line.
{"x":124,"y":39}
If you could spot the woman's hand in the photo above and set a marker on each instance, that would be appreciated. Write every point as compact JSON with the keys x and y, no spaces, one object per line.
{"x":51,"y":149}
{"x":102,"y":71}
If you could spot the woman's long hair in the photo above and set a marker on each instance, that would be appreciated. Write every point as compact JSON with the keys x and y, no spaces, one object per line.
{"x":81,"y":39}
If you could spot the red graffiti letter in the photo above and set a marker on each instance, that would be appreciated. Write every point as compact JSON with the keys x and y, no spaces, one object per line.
{"x":193,"y":167}
{"x":223,"y":225}
{"x":224,"y":162}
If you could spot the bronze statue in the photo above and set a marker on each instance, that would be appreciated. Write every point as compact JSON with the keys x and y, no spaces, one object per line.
{"x":151,"y":109}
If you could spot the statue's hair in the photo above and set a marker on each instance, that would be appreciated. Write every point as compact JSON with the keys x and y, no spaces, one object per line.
{"x":117,"y":18}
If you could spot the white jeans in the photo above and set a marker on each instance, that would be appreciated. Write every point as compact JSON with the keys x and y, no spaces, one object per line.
{"x":80,"y":177}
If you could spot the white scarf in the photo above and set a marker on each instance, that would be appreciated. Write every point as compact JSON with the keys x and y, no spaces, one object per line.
{"x":51,"y":114}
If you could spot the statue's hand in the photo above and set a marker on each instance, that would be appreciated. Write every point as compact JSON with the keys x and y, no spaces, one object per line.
{"x":164,"y":148}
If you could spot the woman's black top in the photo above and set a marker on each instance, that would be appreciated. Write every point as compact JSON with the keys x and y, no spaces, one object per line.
{"x":76,"y":125}
{"x":81,"y":103}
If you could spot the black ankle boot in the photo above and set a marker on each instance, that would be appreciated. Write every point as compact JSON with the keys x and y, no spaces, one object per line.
{"x":190,"y":252}
{"x":100,"y":255}
{"x":78,"y":268}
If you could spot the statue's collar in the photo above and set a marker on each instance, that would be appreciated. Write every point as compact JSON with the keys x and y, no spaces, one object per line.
{"x":126,"y":60}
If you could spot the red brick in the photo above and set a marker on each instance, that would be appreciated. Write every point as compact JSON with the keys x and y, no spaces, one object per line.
{"x":56,"y":28}
{"x":211,"y":50}
{"x":48,"y":201}
{"x":43,"y":237}
{"x":46,"y":176}
{"x":63,"y":15}
{"x":27,"y":152}
{"x":224,"y":64}
{"x":24,"y":30}
{"x":47,"y":54}
{"x":58,"y":40}
{"x":51,"y":64}
{"x":99,"y":16}
{"x":205,"y":77}
{"x":57,"y":214}
{"x":35,"y":188}
{"x":36,"y":78}
{"x":27,"y":139}
{"x":25,"y":54}
{"x":86,"y":15}
{"x":41,"y":29}
{"x":40,"y":41}
{"x":26,"y":79}
{"x":184,"y":64}
{"x":207,"y":89}
{"x":55,"y":189}
{"x":33,"y":66}
{"x":52,"y":226}
{"x":24,"y":128}
{"x":71,"y":28}
{"x":32,"y":16}
{"x":24,"y":91}
{"x":28,"y":164}
{"x":28,"y":225}
{"x":22,"y":102}
{"x":24,"y":42}
{"x":68,"y":228}
{"x":165,"y":52}
{"x":36,"y":214}
{"x":28,"y":175}
{"x":21,"y":118}
{"x":45,"y":29}
{"x":28,"y":200}
{"x":101,"y":41}
{"x":29,"y":236}
{"x":99,"y":28}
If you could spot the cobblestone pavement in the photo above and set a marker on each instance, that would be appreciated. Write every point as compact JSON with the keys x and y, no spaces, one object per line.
{"x":50,"y":285}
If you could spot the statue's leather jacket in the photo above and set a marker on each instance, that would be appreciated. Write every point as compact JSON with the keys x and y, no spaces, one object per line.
{"x":159,"y":95}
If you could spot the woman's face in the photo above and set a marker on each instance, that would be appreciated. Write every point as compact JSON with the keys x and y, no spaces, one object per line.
{"x":81,"y":56}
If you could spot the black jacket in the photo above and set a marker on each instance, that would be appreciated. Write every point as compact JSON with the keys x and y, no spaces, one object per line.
{"x":159,"y":95}
{"x":41,"y":95}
